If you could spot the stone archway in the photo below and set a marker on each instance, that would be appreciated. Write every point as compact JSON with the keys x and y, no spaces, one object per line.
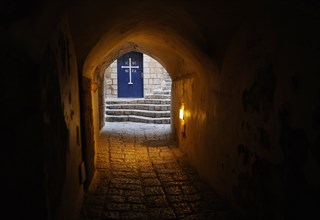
{"x":177,"y":67}
{"x":175,"y":41}
{"x":181,"y":63}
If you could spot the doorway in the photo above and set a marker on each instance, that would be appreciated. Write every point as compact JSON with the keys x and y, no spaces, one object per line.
{"x":130,"y":75}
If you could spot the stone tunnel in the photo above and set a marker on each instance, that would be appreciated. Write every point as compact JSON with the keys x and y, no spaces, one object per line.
{"x":246,"y":73}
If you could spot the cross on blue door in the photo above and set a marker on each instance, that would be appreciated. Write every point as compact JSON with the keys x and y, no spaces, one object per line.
{"x":130,"y":76}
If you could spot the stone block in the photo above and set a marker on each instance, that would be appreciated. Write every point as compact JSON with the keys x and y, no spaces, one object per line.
{"x":114,"y":64}
{"x":147,"y":75}
{"x":108,"y":81}
{"x":146,"y":58}
{"x":157,"y":70}
{"x":156,"y":81}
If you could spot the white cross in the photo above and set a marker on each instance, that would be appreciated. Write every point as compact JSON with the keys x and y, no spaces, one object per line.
{"x":130,"y":67}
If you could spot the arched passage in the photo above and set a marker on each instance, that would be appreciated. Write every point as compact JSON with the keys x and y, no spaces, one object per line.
{"x":247,"y":73}
{"x":224,"y":62}
{"x":180,"y":67}
{"x":172,"y":42}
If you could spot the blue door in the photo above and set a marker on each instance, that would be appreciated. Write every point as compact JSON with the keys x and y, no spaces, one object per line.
{"x":130,"y":76}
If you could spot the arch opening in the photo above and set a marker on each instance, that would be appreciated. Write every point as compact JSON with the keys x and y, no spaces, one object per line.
{"x":177,"y":47}
{"x":179,"y":60}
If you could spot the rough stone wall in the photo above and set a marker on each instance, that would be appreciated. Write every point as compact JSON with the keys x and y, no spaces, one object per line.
{"x":40,"y":118}
{"x":61,"y":130}
{"x":153,"y":74}
{"x":253,"y":132}
{"x":111,"y":77}
{"x":101,"y":86}
{"x":87,"y":130}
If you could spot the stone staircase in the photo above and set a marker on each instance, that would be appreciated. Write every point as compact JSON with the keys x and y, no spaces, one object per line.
{"x":154,"y":108}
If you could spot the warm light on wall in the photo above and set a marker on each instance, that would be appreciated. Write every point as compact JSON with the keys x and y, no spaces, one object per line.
{"x":181,"y":114}
{"x":182,"y":117}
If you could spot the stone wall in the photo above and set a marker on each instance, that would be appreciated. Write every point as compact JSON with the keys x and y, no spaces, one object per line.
{"x":111,"y":85}
{"x":153,"y":75}
{"x":252,"y":127}
{"x":61,"y":125}
{"x":41,"y":143}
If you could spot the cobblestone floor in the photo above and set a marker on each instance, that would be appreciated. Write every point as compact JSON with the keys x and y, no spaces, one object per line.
{"x":142,"y":174}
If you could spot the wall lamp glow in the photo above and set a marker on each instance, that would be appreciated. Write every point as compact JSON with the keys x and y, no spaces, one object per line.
{"x":181,"y":113}
{"x":183,"y":124}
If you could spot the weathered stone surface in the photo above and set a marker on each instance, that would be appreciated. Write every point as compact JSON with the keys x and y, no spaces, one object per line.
{"x":156,"y":187}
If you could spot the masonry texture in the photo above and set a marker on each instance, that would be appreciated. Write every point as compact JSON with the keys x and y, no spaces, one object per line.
{"x":142,"y":174}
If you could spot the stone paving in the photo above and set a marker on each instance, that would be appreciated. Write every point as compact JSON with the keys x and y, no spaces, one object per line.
{"x":142,"y":174}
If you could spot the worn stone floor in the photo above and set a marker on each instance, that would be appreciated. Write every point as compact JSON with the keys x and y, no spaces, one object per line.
{"x":142,"y":174}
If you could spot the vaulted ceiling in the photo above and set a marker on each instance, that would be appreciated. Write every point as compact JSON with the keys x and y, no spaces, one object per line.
{"x":177,"y":33}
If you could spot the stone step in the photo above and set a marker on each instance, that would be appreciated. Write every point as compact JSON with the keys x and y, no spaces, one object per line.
{"x":158,"y":96}
{"x":166,"y":101}
{"x":154,"y":108}
{"x":150,"y":107}
{"x":162,"y":92}
{"x":167,"y":88}
{"x":140,"y":119}
{"x":144,"y":113}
